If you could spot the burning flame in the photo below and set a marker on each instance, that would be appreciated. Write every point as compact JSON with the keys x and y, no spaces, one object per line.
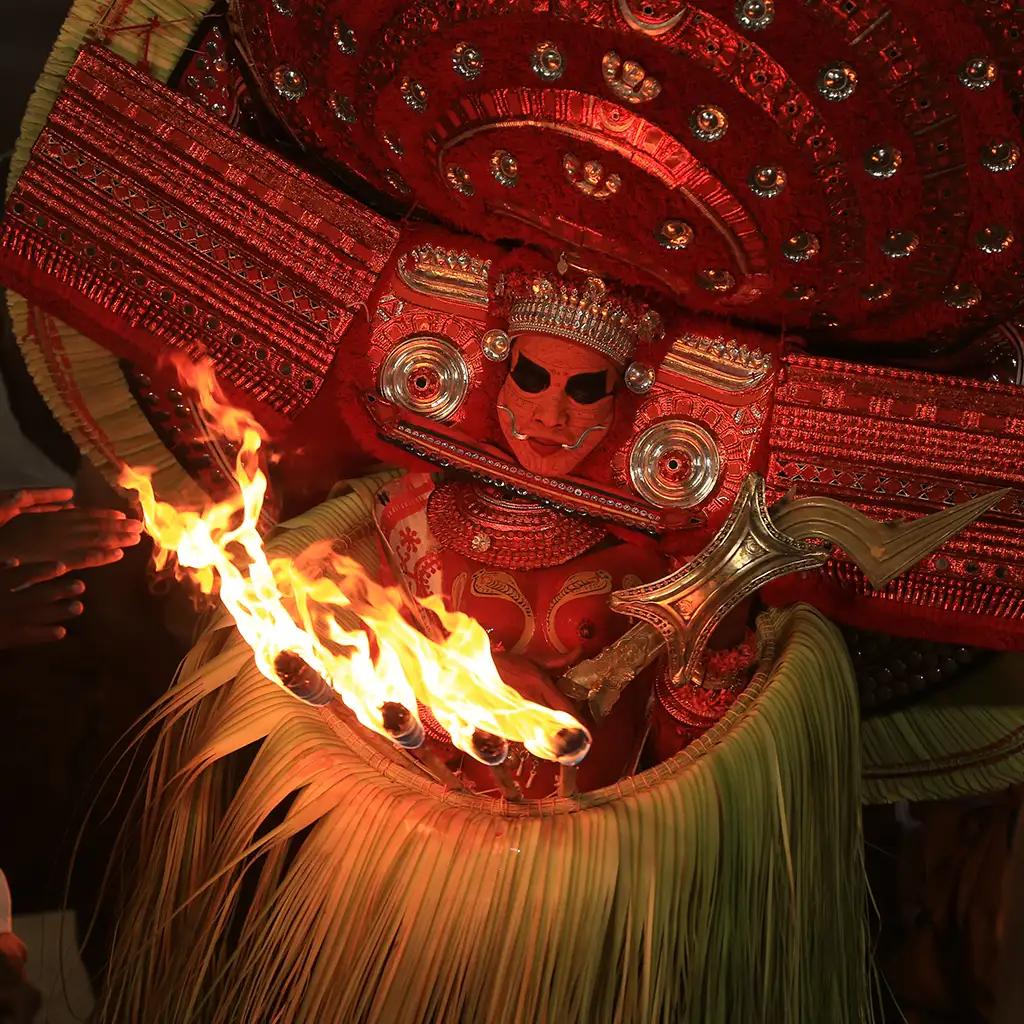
{"x":323,"y":614}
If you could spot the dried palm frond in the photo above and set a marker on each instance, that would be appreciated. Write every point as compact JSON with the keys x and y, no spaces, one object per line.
{"x":292,"y":870}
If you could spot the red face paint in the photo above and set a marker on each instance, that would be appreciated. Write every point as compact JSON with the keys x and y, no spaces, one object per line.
{"x":556,"y":403}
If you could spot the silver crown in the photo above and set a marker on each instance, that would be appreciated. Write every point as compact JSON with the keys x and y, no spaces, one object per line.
{"x":586,"y":314}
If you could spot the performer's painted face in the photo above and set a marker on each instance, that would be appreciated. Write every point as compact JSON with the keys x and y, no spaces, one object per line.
{"x":556,"y":403}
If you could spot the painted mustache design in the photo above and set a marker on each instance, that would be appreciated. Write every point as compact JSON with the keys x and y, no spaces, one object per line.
{"x":519,"y":436}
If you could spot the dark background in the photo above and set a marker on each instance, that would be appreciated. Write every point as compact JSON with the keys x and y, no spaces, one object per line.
{"x":28,"y":29}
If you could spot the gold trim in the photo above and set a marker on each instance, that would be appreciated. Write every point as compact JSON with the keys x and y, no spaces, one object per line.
{"x":725,"y":365}
{"x":593,"y":136}
{"x":602,"y":678}
{"x":880,"y":550}
{"x":652,"y":28}
{"x":688,"y":605}
{"x":446,"y":274}
{"x":628,"y":80}
{"x":587,"y":315}
{"x":589,"y":178}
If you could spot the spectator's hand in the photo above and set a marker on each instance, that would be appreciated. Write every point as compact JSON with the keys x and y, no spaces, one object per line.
{"x":34,"y":601}
{"x":78,"y":538}
{"x":12,"y":503}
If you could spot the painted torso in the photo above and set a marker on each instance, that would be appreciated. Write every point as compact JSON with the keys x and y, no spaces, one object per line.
{"x":519,"y":570}
{"x":551,"y":615}
{"x":513,"y":566}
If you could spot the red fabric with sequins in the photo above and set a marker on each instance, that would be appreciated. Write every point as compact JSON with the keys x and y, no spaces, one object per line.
{"x":833,"y":162}
{"x":731,"y":406}
{"x":149,"y":224}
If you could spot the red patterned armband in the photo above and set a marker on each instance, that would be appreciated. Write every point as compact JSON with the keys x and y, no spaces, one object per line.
{"x":150,"y":226}
{"x":895,"y":444}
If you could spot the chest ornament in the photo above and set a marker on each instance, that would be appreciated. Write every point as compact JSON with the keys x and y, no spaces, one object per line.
{"x":504,"y":531}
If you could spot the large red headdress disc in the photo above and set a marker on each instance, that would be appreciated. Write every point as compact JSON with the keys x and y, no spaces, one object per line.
{"x":843,"y":167}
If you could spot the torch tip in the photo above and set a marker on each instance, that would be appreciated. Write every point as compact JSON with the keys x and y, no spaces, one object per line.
{"x":488,"y":748}
{"x":401,"y":725}
{"x":571,"y":745}
{"x":301,"y":679}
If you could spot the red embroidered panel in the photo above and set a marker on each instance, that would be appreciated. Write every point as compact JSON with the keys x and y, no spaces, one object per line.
{"x":149,"y":225}
{"x":898,"y":443}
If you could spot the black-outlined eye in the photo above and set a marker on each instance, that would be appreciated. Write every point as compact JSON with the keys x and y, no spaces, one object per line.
{"x":529,"y":376}
{"x":588,"y":388}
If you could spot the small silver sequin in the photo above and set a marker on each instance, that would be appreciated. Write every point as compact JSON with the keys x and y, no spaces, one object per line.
{"x":708,"y":123}
{"x":282,"y":6}
{"x":415,"y":94}
{"x":800,"y":293}
{"x":393,"y":144}
{"x":674,"y":234}
{"x":755,"y":15}
{"x":650,"y":327}
{"x":496,"y":345}
{"x":341,"y":107}
{"x":289,"y":83}
{"x":505,"y":168}
{"x":628,"y":80}
{"x":639,"y":378}
{"x":961,"y":296}
{"x":396,"y":182}
{"x":994,"y":238}
{"x":458,"y":179}
{"x":837,"y":81}
{"x":978,"y":73}
{"x":898,"y":245}
{"x":877,"y":291}
{"x":547,"y":62}
{"x":589,"y":177}
{"x":801,"y":247}
{"x":467,"y":61}
{"x":713,"y":280}
{"x":882,"y":161}
{"x":767,"y":181}
{"x":344,"y":38}
{"x":1000,"y":156}
{"x":823,"y":320}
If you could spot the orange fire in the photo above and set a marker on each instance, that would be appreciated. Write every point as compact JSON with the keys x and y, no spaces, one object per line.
{"x":323,"y":608}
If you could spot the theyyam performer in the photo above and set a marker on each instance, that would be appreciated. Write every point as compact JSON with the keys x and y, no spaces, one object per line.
{"x":599,"y":424}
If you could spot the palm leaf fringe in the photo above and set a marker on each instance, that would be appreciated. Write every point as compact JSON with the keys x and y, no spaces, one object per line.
{"x":961,"y":742}
{"x":295,"y":870}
